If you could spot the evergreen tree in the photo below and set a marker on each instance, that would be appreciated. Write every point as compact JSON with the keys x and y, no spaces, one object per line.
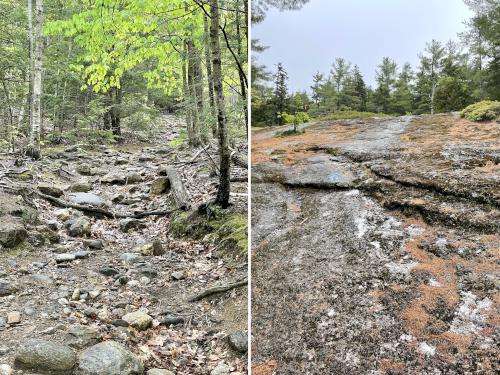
{"x":340,"y":75}
{"x":318,"y":80}
{"x":280,"y":92}
{"x":403,"y":94}
{"x":360,"y":90}
{"x":386,"y":78}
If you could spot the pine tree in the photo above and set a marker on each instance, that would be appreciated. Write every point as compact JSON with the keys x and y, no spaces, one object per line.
{"x":318,"y":79}
{"x":280,"y":92}
{"x":386,"y":78}
{"x":340,"y":72}
{"x":403,"y":94}
{"x":359,"y":88}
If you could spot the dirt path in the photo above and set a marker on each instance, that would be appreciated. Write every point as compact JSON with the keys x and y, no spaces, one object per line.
{"x":372,"y":253}
{"x":61,"y":282}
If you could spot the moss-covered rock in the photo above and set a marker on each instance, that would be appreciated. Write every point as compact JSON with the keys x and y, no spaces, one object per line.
{"x":226,"y":229}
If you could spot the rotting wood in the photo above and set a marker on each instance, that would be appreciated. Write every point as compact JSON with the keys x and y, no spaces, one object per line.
{"x":218,"y":289}
{"x":181,"y":196}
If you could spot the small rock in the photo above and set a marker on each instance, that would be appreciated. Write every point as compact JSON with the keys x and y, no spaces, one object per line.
{"x":5,"y":370}
{"x":127,"y":224}
{"x":86,"y":199}
{"x":117,"y":198}
{"x":108,"y":271}
{"x":139,"y":320}
{"x":80,"y":337}
{"x":94,"y":294}
{"x":7,"y":288}
{"x":80,"y":227}
{"x":133,"y":178}
{"x":84,"y":170}
{"x":221,"y":369}
{"x":239,"y":341}
{"x":148,"y":272}
{"x":82,"y":254}
{"x":63,"y":214}
{"x":66,"y":257}
{"x":108,"y":358}
{"x":131,"y":258}
{"x":80,"y":187}
{"x":178,"y":275}
{"x":93,"y":244}
{"x":160,"y":185}
{"x":45,"y":357}
{"x":14,"y":317}
{"x":51,"y":190}
{"x":159,"y":371}
{"x":76,"y":295}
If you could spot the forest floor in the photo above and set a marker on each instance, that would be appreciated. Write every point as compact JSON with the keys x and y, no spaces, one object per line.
{"x":78,"y":279}
{"x":376,"y":248}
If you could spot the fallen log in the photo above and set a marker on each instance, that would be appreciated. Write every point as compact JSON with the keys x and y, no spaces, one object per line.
{"x":102,"y":211}
{"x":218,"y":289}
{"x":181,"y":196}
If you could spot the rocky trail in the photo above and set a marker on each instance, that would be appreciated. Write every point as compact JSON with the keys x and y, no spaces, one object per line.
{"x":124,"y":286}
{"x":376,"y":248}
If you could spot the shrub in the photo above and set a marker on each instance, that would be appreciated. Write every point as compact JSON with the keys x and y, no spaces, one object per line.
{"x":484,"y":110}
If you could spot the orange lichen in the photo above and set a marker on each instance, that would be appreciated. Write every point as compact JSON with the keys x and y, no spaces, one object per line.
{"x":267,"y":368}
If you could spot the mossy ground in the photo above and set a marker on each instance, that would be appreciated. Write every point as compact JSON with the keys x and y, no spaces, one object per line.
{"x":225,"y":229}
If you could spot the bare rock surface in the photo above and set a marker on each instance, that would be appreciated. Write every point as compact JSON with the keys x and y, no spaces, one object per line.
{"x":376,"y":247}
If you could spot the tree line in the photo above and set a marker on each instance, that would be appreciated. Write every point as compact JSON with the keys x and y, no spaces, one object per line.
{"x":448,"y":78}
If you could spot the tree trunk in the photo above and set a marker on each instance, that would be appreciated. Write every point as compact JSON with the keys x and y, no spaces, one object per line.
{"x":116,"y":95}
{"x":224,"y":183}
{"x":210,"y":80}
{"x":195,"y":116}
{"x":185,"y":90}
{"x":242,"y":79}
{"x":34,"y":147}
{"x":30,"y":65}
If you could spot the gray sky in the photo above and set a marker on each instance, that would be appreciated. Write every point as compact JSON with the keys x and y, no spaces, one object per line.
{"x":362,"y":31}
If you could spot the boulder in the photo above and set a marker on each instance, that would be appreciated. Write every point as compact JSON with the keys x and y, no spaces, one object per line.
{"x":108,"y":358}
{"x":45,"y":357}
{"x":12,"y":231}
{"x":221,"y":369}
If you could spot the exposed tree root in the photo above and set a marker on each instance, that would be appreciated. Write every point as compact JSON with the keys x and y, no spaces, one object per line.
{"x":218,"y":289}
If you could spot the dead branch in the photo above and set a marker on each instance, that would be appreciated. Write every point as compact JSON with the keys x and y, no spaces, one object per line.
{"x":218,"y":289}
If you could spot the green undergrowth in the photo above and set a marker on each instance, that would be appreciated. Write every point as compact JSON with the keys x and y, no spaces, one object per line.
{"x":226,"y":229}
{"x":481,"y":111}
{"x":348,"y":115}
{"x":289,"y":132}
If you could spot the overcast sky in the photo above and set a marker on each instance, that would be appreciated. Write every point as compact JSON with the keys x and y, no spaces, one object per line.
{"x":362,"y":31}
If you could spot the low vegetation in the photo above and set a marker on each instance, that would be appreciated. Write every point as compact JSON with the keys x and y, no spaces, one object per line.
{"x":480,"y":111}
